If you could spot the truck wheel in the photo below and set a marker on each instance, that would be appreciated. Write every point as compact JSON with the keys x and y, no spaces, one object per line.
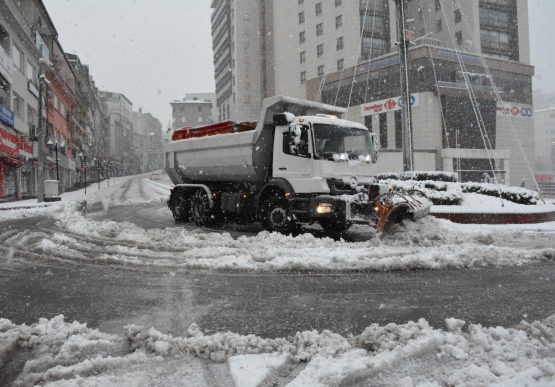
{"x":200,"y":209}
{"x":276,"y":217}
{"x":335,"y":226}
{"x":180,"y":207}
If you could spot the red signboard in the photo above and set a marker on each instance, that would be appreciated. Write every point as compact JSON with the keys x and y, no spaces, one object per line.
{"x":10,"y":145}
{"x":543,"y":177}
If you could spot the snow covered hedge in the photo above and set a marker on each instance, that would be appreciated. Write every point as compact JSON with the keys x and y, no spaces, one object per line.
{"x":514,"y":194}
{"x":449,"y":194}
{"x":449,"y":177}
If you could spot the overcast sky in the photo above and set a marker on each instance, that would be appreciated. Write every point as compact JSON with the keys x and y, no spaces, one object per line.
{"x":157,"y":51}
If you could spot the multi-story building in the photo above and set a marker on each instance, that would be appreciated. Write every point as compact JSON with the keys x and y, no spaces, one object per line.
{"x":544,"y":123}
{"x":120,"y":134}
{"x":147,"y":142}
{"x":210,"y":97}
{"x":88,"y":121}
{"x":343,"y":52}
{"x":25,"y":29}
{"x":192,"y":112}
{"x":237,"y":35}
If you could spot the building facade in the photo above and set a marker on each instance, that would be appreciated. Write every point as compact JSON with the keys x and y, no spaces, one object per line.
{"x":120,"y":132}
{"x":544,"y":122}
{"x":147,"y":142}
{"x":343,"y":53}
{"x":192,"y":112}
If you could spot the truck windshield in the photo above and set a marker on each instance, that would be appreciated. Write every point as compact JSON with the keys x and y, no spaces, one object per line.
{"x":330,"y":139}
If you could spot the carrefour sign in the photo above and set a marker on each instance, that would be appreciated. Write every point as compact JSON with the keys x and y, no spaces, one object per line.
{"x":514,"y":111}
{"x":387,"y":105}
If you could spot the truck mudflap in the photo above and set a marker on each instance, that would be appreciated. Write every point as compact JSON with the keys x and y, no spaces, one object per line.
{"x":394,"y":207}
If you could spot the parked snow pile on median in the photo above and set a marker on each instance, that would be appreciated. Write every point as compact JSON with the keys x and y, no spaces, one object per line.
{"x":413,"y":354}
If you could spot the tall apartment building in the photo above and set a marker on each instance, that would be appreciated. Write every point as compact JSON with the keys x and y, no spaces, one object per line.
{"x":343,"y":52}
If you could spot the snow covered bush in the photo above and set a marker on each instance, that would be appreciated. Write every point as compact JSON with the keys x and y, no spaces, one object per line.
{"x":514,"y":194}
{"x":448,"y":177}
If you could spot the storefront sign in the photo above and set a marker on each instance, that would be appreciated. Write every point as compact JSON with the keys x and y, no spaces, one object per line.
{"x":453,"y":55}
{"x":11,"y":146}
{"x":386,"y":105}
{"x":6,"y":65}
{"x":6,"y":115}
{"x":377,"y":64}
{"x":514,"y":111}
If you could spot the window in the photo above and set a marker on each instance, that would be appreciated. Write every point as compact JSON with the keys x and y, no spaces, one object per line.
{"x":372,"y":23}
{"x":301,"y":17}
{"x":495,"y":39}
{"x":439,"y":25}
{"x":296,"y":146}
{"x":458,"y":37}
{"x":320,"y":70}
{"x":373,"y":47}
{"x":338,"y":21}
{"x":301,"y":2}
{"x":55,"y":101}
{"x":31,"y":115}
{"x":339,"y":44}
{"x":340,"y":64}
{"x":338,"y":3}
{"x":17,"y":105}
{"x":319,"y":29}
{"x":303,"y":57}
{"x":4,"y":40}
{"x":63,"y":109}
{"x":199,"y":120}
{"x":383,"y":130}
{"x":183,"y":119}
{"x":458,"y":16}
{"x":199,"y":108}
{"x":318,"y":9}
{"x":301,"y":37}
{"x":495,"y":18}
{"x":17,"y":57}
{"x":319,"y":50}
{"x":233,"y":81}
{"x":438,"y":5}
{"x":31,"y":72}
{"x":303,"y":77}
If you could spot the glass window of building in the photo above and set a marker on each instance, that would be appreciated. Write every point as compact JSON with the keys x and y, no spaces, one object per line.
{"x":319,"y":50}
{"x":458,"y":16}
{"x":303,"y":77}
{"x":372,"y":23}
{"x":340,"y":64}
{"x":458,"y":37}
{"x":319,"y":29}
{"x":318,"y":9}
{"x":17,"y":57}
{"x":439,"y":25}
{"x":373,"y":47}
{"x":320,"y":70}
{"x":303,"y":57}
{"x":31,"y":72}
{"x":338,"y":21}
{"x":338,"y":3}
{"x":301,"y":17}
{"x":17,"y":105}
{"x":302,"y":38}
{"x":340,"y":43}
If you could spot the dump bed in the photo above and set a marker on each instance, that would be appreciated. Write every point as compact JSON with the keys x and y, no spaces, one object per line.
{"x":225,"y":155}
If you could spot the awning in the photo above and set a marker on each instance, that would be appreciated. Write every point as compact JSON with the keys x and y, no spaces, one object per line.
{"x":15,"y":162}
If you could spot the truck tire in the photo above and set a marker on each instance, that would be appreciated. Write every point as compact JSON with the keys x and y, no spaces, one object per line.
{"x":180,"y":207}
{"x":335,"y":226}
{"x":276,"y":217}
{"x":200,"y":209}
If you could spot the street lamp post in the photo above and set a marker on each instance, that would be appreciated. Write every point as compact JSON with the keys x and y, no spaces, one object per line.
{"x":97,"y":164}
{"x":83,"y":159}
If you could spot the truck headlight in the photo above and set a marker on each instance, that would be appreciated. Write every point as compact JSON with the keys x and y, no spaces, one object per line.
{"x":324,"y":208}
{"x":368,"y":159}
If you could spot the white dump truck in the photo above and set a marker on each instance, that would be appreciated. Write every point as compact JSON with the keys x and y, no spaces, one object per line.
{"x":299,"y":164}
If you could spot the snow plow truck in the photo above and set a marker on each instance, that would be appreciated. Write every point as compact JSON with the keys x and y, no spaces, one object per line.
{"x":300,"y":163}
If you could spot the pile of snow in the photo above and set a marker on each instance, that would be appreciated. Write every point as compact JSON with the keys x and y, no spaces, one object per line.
{"x":426,"y":244}
{"x":412,"y":354}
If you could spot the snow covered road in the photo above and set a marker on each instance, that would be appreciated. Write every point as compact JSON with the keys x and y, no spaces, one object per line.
{"x":126,"y":262}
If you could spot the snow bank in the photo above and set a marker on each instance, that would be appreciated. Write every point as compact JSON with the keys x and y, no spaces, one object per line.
{"x":412,"y":354}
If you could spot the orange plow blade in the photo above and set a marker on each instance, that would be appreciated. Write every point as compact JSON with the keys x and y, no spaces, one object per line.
{"x":394,"y":207}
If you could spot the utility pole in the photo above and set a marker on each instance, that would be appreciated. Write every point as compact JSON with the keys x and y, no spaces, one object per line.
{"x":41,"y":132}
{"x":406,"y":117}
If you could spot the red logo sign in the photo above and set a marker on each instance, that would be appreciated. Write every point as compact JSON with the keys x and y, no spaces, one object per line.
{"x":515,"y":110}
{"x":390,"y":104}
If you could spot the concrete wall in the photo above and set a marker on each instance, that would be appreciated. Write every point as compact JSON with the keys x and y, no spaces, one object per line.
{"x":544,"y":131}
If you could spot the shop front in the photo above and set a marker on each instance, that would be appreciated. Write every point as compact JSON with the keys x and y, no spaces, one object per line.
{"x":16,"y":170}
